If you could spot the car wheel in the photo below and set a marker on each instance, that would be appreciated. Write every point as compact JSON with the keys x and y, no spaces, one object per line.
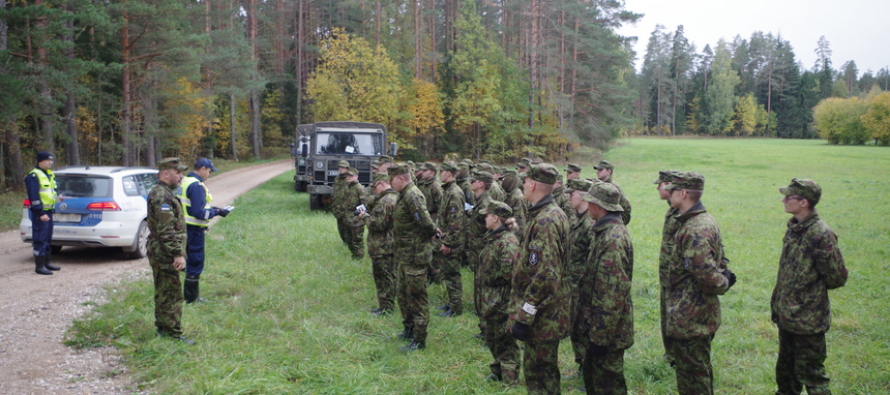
{"x":139,"y":249}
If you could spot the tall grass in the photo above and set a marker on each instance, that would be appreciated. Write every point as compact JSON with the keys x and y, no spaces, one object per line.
{"x":290,"y":311}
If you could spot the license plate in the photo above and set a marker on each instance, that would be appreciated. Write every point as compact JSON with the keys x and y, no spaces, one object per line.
{"x":333,"y":172}
{"x":66,"y":218}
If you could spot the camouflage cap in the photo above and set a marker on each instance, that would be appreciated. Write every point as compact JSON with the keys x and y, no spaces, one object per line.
{"x":510,"y":173}
{"x":410,"y":163}
{"x":501,"y":170}
{"x":482,"y":166}
{"x":604,"y":195}
{"x":604,"y":164}
{"x":543,"y":173}
{"x":483,"y":176}
{"x":500,"y":209}
{"x":573,"y":168}
{"x":379,"y":177}
{"x":485,"y":161}
{"x":559,"y":178}
{"x":397,"y":170}
{"x":375,"y":164}
{"x":428,"y":166}
{"x":809,"y":189}
{"x":536,"y":161}
{"x":665,"y":176}
{"x":385,"y":159}
{"x":172,"y":163}
{"x":686,"y":180}
{"x":343,"y":163}
{"x":450,"y":167}
{"x":352,"y":172}
{"x":578,"y":185}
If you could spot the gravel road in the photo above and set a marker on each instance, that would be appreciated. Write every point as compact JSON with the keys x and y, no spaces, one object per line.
{"x":35,"y":310}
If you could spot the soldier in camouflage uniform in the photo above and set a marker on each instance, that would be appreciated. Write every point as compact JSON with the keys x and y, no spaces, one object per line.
{"x":352,"y":196}
{"x":810,"y":265}
{"x":451,"y":222}
{"x":495,"y":276}
{"x":580,"y":240}
{"x":697,"y":274}
{"x":463,"y":181}
{"x":562,"y":199}
{"x":539,"y":303}
{"x":604,"y":172}
{"x":667,"y":235}
{"x":605,"y":308}
{"x":495,"y":191}
{"x":380,"y":243}
{"x":385,"y":163}
{"x":412,"y":231}
{"x":480,"y":185}
{"x":512,"y":186}
{"x":573,"y":172}
{"x":432,"y":192}
{"x":337,"y":199}
{"x":166,"y":248}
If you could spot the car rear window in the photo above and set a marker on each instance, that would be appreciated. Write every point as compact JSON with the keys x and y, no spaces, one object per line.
{"x":79,"y":185}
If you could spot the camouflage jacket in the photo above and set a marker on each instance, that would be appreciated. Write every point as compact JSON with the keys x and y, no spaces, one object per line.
{"x":580,"y":240}
{"x":464,"y":185}
{"x":540,"y":295}
{"x":432,"y":191}
{"x":664,"y":259}
{"x":516,"y":200}
{"x":337,"y":196}
{"x":476,"y":223}
{"x":605,"y":308}
{"x":352,"y":196}
{"x":810,"y":265}
{"x":379,"y":223}
{"x":562,"y":199}
{"x":695,"y":276}
{"x":496,"y":271}
{"x":413,"y":229}
{"x":166,"y":224}
{"x":451,"y":215}
{"x":497,"y":191}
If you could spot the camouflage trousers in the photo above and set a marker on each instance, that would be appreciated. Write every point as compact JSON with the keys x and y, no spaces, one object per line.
{"x":474,"y":258}
{"x":801,"y":363}
{"x":384,"y":270}
{"x":353,"y":236}
{"x":168,"y":296}
{"x":578,"y":333}
{"x":692,"y":364}
{"x":413,"y":300}
{"x":503,"y":347}
{"x":540,"y":362}
{"x":605,"y":375}
{"x":449,"y":269}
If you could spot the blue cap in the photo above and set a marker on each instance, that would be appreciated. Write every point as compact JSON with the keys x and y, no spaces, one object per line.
{"x":43,"y":155}
{"x":204,"y":162}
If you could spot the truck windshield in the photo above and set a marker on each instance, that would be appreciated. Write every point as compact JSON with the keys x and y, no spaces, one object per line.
{"x":349,"y":144}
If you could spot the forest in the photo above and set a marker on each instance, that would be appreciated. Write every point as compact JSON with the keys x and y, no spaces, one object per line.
{"x":127,"y":82}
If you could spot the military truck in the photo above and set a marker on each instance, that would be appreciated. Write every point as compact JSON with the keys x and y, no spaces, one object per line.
{"x":319,"y":147}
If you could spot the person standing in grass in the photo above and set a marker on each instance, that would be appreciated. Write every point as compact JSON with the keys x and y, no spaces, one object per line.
{"x":697,"y":275}
{"x":451,"y":222}
{"x":605,"y":309}
{"x":580,"y":240}
{"x":539,"y":303}
{"x":337,"y":198}
{"x":480,"y":184}
{"x":166,"y":248}
{"x":495,"y":275}
{"x":810,"y":265}
{"x":412,"y":231}
{"x":604,"y":172}
{"x":353,"y":196}
{"x":380,"y":243}
{"x":667,"y":236}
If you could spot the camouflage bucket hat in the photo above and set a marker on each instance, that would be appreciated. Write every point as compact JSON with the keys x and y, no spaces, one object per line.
{"x":483,"y":176}
{"x":686,"y":180}
{"x":450,"y":167}
{"x":604,"y":164}
{"x":500,"y":209}
{"x":343,"y":163}
{"x":543,"y":173}
{"x":171,"y":163}
{"x":573,"y":168}
{"x":604,"y":195}
{"x":578,"y":185}
{"x":396,"y":170}
{"x":666,"y":176}
{"x":806,"y":188}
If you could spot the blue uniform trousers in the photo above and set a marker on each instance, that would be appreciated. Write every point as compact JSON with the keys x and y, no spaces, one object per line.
{"x":41,"y":234}
{"x":194,"y":261}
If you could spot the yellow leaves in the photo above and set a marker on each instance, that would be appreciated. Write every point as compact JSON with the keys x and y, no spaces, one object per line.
{"x":877,"y":118}
{"x":425,"y":107}
{"x":187,"y":116}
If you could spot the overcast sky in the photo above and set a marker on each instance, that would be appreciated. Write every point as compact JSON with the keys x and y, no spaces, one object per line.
{"x":858,"y":30}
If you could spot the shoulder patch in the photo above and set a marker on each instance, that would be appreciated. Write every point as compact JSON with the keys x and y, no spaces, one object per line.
{"x":417,"y":216}
{"x":165,"y":207}
{"x":534,"y":256}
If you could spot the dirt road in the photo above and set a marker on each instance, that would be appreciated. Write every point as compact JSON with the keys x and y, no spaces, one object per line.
{"x":35,"y":310}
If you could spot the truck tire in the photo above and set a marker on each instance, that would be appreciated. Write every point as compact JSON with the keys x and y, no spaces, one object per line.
{"x":315,"y":202}
{"x":300,"y":186}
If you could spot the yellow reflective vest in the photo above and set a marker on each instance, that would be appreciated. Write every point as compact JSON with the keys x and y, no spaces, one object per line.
{"x":47,"y":187}
{"x":186,"y":202}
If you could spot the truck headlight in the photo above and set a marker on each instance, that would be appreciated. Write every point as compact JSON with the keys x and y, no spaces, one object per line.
{"x":319,"y":165}
{"x":302,"y":161}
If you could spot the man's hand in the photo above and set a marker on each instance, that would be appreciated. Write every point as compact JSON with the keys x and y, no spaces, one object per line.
{"x":445,"y":250}
{"x":595,"y":350}
{"x":222,"y":212}
{"x":179,"y":263}
{"x":44,"y":217}
{"x":521,"y":331}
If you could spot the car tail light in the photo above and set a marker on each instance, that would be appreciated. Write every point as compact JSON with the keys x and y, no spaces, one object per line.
{"x":26,"y":203}
{"x":104,"y":206}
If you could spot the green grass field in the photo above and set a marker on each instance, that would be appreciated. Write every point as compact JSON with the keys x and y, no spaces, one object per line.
{"x":291,"y":307}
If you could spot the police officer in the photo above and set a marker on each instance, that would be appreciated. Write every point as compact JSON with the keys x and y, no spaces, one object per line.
{"x":604,"y":172}
{"x":810,"y":265}
{"x":539,"y":304}
{"x":40,"y":184}
{"x":697,"y":275}
{"x":605,"y":308}
{"x":412,"y":231}
{"x":167,"y":248}
{"x":379,"y":221}
{"x":196,"y":198}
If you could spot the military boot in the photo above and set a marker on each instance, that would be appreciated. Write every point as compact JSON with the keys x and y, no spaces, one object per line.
{"x":510,"y":377}
{"x":40,"y":265}
{"x":414,"y":346}
{"x":407,"y":334}
{"x":49,"y":265}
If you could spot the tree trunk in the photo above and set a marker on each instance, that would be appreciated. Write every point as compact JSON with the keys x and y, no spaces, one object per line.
{"x":533,"y":61}
{"x":232,"y":125}
{"x":418,"y":39}
{"x":125,"y":94}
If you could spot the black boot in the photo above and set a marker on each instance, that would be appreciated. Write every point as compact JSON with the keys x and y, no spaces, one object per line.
{"x":407,"y":334}
{"x":190,"y":288}
{"x":414,"y":346}
{"x":49,"y":265}
{"x":40,"y":265}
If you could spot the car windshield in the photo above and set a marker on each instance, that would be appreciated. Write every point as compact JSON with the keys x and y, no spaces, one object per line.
{"x":74,"y":185}
{"x":349,"y":143}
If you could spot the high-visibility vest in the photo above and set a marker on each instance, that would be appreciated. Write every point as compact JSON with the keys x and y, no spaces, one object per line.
{"x":47,"y":187}
{"x":186,"y":202}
